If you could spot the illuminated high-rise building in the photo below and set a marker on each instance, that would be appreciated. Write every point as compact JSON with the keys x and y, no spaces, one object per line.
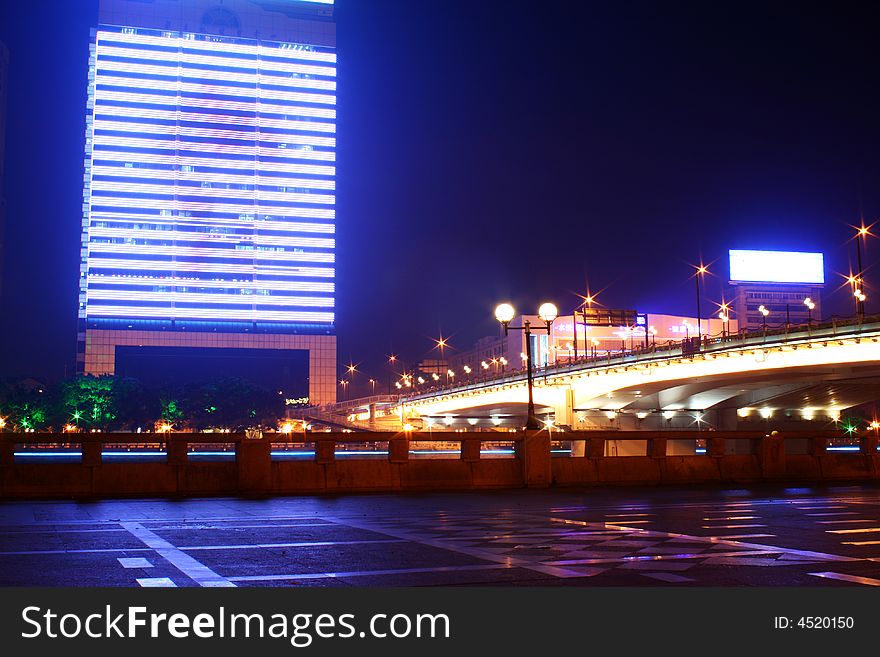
{"x":208,"y":224}
{"x":4,"y":81}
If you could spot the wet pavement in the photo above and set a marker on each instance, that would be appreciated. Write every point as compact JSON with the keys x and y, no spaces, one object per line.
{"x":705,"y":536}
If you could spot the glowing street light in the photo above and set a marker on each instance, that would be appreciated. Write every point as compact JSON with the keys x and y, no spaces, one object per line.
{"x":701,"y":271}
{"x":810,"y":304}
{"x":547,"y":312}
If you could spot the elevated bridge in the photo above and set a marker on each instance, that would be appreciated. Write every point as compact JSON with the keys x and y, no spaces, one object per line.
{"x":797,"y":377}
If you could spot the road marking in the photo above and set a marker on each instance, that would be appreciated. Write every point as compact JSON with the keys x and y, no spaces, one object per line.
{"x":669,"y":577}
{"x":134,"y":562}
{"x":254,"y":546}
{"x":835,"y":513}
{"x":734,"y":536}
{"x":156,"y":582}
{"x":867,"y":581}
{"x":368,"y":573}
{"x":731,"y":526}
{"x":193,"y":569}
{"x":89,"y":551}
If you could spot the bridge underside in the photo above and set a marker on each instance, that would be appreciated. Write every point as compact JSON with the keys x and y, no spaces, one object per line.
{"x":818,"y":398}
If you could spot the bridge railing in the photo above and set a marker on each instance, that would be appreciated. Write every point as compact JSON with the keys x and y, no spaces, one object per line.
{"x":333,"y":462}
{"x":786,"y":334}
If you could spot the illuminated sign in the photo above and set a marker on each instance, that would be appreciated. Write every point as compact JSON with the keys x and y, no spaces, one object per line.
{"x":776,"y":267}
{"x":210,"y":181}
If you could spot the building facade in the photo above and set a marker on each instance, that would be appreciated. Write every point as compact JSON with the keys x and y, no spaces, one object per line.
{"x":4,"y":84}
{"x":773,"y":289}
{"x":209,"y":189}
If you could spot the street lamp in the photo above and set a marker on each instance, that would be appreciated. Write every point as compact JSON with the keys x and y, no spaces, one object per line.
{"x":547,"y":312}
{"x":861,"y":234}
{"x":810,"y":304}
{"x":725,"y":319}
{"x":764,"y":312}
{"x":702,"y":270}
{"x":344,"y":385}
{"x":653,"y":331}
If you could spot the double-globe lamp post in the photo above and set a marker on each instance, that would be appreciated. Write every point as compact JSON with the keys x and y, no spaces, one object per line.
{"x":505,"y":313}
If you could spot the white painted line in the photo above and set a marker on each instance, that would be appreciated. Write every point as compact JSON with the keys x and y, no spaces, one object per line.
{"x":867,"y":581}
{"x":731,"y":526}
{"x":735,"y":536}
{"x":260,"y":546}
{"x":368,"y":573}
{"x":669,"y":577}
{"x":196,"y":571}
{"x":134,"y":562}
{"x":835,"y":513}
{"x":156,"y":582}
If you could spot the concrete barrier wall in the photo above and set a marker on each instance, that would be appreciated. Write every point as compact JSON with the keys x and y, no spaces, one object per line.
{"x":254,"y":472}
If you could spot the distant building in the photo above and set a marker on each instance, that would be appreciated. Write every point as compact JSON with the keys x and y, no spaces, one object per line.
{"x":208,"y":217}
{"x":4,"y":83}
{"x":560,"y":345}
{"x":778,"y":281}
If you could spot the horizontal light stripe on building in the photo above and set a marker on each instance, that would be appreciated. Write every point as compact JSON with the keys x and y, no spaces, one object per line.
{"x":291,"y":226}
{"x":192,"y":236}
{"x":102,"y":123}
{"x":207,"y":313}
{"x":217,"y":163}
{"x":212,"y":192}
{"x":194,"y":297}
{"x":249,"y":270}
{"x":285,"y":286}
{"x":190,"y":251}
{"x":175,"y":145}
{"x":178,"y":86}
{"x":123,"y":202}
{"x":106,"y":96}
{"x":106,"y":48}
{"x":259,"y":178}
{"x":174,"y":114}
{"x":219,"y":46}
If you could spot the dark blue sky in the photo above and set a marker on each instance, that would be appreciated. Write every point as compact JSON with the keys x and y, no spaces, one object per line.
{"x":504,"y":151}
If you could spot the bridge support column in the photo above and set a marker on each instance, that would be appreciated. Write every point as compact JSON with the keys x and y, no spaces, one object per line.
{"x":325,"y":451}
{"x":470,"y":449}
{"x":656,"y":447}
{"x":818,"y":446}
{"x":715,"y":447}
{"x":771,"y":451}
{"x":535,"y":452}
{"x":868,"y":444}
{"x":7,"y":453}
{"x":398,"y":450}
{"x":596,"y":448}
{"x":176,"y":451}
{"x":253,"y":457}
{"x":91,"y":453}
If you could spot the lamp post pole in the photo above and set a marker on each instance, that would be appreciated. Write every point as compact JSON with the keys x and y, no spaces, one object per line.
{"x":505,"y":313}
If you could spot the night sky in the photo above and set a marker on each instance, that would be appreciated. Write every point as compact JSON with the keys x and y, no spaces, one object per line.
{"x":494,"y":151}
